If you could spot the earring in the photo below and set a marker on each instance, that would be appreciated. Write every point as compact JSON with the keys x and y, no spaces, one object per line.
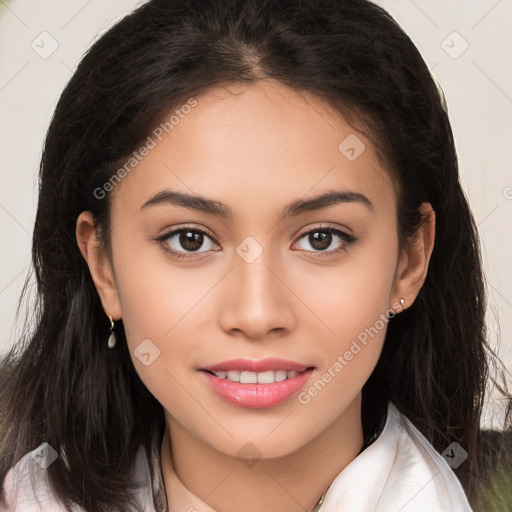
{"x":402,"y":303}
{"x":112,"y":338}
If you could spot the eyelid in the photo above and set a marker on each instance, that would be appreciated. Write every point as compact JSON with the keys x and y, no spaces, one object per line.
{"x":185,"y":227}
{"x":323,"y":226}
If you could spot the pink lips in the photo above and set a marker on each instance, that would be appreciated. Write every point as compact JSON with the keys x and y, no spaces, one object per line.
{"x":257,"y":396}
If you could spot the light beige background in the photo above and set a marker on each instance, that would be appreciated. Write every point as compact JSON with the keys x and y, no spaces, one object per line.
{"x":476,"y":80}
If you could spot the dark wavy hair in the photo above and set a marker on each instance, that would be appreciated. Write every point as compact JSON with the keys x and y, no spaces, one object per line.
{"x":61,"y":384}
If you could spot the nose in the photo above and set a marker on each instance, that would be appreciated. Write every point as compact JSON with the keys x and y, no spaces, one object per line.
{"x":258,"y":302}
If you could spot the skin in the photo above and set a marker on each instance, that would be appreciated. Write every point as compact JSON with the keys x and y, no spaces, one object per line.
{"x":256,"y":149}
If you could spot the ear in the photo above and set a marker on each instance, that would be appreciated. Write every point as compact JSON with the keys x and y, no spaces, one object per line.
{"x":413,"y":262}
{"x":99,"y":264}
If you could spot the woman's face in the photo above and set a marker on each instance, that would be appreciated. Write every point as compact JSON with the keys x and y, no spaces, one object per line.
{"x":266,"y":281}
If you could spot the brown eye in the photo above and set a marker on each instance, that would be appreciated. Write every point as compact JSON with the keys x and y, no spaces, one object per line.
{"x":190,"y":240}
{"x":181,"y":241}
{"x":320,"y":239}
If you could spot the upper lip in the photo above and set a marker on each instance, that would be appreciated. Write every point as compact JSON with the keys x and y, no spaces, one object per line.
{"x":263,"y":365}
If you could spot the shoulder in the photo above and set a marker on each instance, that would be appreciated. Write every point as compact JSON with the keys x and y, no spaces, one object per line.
{"x":420,"y":471}
{"x":26,"y":485}
{"x":400,"y":470}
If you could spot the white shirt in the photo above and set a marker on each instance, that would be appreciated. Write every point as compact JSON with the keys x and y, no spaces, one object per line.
{"x":399,"y":471}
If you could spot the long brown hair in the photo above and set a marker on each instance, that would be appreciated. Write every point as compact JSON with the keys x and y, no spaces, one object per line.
{"x":67,"y":388}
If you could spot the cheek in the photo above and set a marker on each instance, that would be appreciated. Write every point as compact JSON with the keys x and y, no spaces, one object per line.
{"x":156,"y":294}
{"x":357,"y":314}
{"x":157,"y":327}
{"x":354,"y":305}
{"x":163,"y":308}
{"x":352,"y":296}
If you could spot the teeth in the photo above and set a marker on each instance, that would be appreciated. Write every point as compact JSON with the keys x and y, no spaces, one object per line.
{"x":233,"y":375}
{"x":280,"y":375}
{"x":245,"y":377}
{"x":248,"y":377}
{"x":267,"y":377}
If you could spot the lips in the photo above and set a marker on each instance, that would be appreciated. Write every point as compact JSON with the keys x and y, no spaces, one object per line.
{"x":257,"y":384}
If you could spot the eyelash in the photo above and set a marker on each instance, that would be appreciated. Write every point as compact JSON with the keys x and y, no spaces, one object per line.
{"x":345,"y":237}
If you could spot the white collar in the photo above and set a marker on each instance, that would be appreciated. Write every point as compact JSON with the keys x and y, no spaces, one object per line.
{"x":399,"y":471}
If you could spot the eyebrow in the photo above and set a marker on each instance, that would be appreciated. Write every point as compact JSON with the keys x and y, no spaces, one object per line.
{"x":298,"y":207}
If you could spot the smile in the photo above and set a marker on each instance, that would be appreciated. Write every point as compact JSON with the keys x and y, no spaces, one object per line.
{"x":256,"y":390}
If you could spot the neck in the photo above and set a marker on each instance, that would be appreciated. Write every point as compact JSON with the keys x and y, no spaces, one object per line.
{"x":294,"y":482}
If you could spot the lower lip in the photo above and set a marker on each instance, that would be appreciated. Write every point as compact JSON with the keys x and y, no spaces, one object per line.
{"x":257,"y":396}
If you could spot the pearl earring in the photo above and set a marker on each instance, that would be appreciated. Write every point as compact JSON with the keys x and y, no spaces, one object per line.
{"x":402,"y":303}
{"x":112,"y":338}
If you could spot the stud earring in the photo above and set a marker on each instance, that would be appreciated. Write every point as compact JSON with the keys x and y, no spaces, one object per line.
{"x":402,"y":303}
{"x":112,"y":338}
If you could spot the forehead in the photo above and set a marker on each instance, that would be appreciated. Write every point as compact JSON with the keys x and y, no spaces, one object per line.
{"x":241,"y":143}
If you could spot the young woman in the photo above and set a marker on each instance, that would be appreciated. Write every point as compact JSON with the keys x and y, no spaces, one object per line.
{"x":259,"y":279}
